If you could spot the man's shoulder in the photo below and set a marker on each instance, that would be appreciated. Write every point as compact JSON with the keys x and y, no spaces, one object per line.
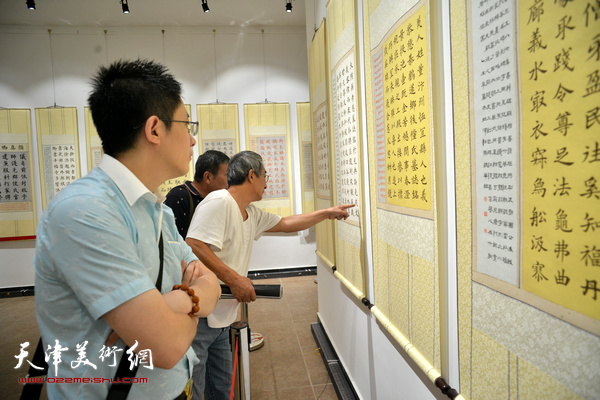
{"x":178,"y":190}
{"x":93,"y":193}
{"x":216,"y":195}
{"x":95,"y":184}
{"x":215,"y":202}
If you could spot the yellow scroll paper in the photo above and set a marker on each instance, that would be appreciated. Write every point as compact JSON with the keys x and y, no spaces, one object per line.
{"x":17,"y":201}
{"x":560,"y":80}
{"x":219,"y":128}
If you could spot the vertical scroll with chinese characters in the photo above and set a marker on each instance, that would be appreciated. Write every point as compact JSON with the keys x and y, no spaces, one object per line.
{"x":402,"y":112}
{"x":93,"y":142}
{"x":346,"y":138}
{"x":401,"y":141}
{"x":536,"y":132}
{"x":306,"y":157}
{"x":317,"y":74}
{"x":58,"y":149}
{"x":495,"y":140}
{"x":219,"y":128}
{"x":559,"y":52}
{"x":17,"y":201}
{"x":268,"y":134}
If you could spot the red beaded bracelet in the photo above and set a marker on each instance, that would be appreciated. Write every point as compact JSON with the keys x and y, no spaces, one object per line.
{"x":195,"y":299}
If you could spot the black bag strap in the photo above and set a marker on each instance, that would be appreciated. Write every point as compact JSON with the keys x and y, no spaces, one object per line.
{"x":119,"y":391}
{"x":192,"y":206}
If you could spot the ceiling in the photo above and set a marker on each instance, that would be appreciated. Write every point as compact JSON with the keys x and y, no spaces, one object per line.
{"x":152,"y":13}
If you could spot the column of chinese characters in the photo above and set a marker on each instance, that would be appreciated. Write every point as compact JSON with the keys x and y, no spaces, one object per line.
{"x":379,"y":116}
{"x":273,"y":152}
{"x":321,"y":139}
{"x":346,"y":135}
{"x":307,"y":163}
{"x":560,"y":76}
{"x":15,"y":183}
{"x":495,"y":138}
{"x":407,"y":133}
{"x":225,"y":146}
{"x":64,"y":165}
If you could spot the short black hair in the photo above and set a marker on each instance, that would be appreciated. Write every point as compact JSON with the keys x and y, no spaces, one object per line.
{"x":124,"y":95}
{"x":240,"y":166}
{"x":211,"y":161}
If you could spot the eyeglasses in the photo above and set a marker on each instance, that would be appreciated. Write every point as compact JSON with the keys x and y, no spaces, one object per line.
{"x":192,"y":126}
{"x":266,"y":178}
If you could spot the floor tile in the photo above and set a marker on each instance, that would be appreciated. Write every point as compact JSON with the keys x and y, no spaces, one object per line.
{"x":286,"y":367}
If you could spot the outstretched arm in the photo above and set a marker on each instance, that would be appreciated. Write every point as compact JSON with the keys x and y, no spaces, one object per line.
{"x":295,"y":223}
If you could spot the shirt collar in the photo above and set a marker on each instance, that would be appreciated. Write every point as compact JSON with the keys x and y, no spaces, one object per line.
{"x":129,"y":184}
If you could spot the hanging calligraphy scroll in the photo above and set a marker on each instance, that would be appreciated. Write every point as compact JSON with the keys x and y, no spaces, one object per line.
{"x":496,"y":144}
{"x":401,"y":154}
{"x":58,"y":149}
{"x":219,"y":128}
{"x":317,"y":77}
{"x":268,"y":134}
{"x":306,"y":157}
{"x":17,"y":201}
{"x":94,"y":144}
{"x":559,"y":51}
{"x":537,"y":200}
{"x":171,"y":183}
{"x":346,"y":138}
{"x":401,"y":86}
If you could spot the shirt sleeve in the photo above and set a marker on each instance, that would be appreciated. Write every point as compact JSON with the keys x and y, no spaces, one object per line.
{"x":264,"y":220}
{"x":209,"y":221}
{"x":92,"y":249}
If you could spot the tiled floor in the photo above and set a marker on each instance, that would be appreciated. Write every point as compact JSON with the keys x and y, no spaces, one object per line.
{"x":287,"y":367}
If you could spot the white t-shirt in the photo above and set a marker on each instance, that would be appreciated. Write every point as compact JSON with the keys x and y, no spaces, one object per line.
{"x":218,"y":222}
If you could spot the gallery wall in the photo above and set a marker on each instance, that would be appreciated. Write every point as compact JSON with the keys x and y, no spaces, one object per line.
{"x":45,"y":68}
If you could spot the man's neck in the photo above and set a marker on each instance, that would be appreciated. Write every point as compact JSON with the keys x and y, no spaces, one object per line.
{"x":146,"y":172}
{"x":200,"y":188}
{"x":241,"y":198}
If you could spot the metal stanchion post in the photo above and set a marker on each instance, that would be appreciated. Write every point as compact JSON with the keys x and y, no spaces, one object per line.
{"x":240,"y":344}
{"x":257,"y":340}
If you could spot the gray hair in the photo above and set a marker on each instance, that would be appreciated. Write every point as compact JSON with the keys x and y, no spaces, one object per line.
{"x":240,"y":166}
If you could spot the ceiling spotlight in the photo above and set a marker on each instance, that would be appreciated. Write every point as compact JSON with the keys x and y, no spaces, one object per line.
{"x":125,"y":6}
{"x":31,"y":4}
{"x":205,"y":6}
{"x":288,"y":6}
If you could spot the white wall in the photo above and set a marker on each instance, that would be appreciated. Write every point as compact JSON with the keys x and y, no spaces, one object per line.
{"x":39,"y":69}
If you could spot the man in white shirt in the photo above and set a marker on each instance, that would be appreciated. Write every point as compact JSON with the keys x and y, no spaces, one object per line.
{"x":221,"y":234}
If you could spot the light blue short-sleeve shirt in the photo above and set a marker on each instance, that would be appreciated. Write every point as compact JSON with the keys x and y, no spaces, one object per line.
{"x":96,"y":248}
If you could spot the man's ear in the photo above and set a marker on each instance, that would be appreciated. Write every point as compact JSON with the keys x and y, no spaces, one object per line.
{"x":251,"y":176}
{"x":151,"y":129}
{"x":207,"y":176}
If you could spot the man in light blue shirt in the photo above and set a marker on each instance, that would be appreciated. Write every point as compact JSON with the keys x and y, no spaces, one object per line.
{"x":97,"y":252}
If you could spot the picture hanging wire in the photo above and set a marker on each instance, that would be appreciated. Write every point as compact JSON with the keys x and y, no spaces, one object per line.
{"x":264,"y":62}
{"x":106,"y":46}
{"x":52,"y":66}
{"x":215,"y":58}
{"x":163,"y":45}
